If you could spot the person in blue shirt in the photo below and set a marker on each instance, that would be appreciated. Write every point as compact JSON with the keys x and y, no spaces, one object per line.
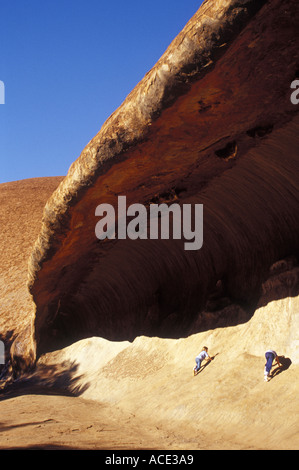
{"x":270,"y":356}
{"x":201,"y":357}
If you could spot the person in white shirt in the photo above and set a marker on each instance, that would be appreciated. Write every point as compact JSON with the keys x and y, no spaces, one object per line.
{"x":201,"y":357}
{"x":270,"y":356}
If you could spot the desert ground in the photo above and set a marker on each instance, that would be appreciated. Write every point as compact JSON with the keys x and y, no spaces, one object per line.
{"x":99,"y":394}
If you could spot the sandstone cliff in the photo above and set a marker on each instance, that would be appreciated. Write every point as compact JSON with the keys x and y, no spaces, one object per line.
{"x":211,"y":123}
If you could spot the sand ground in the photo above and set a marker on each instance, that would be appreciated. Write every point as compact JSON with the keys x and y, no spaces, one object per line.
{"x":143,"y":395}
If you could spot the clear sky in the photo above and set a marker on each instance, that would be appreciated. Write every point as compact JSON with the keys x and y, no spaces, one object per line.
{"x":66,"y":66}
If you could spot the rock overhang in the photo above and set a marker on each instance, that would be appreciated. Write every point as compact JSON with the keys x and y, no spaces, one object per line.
{"x":211,"y":123}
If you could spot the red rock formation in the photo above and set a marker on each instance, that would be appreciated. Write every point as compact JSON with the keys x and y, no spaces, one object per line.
{"x":21,"y":208}
{"x":211,"y":123}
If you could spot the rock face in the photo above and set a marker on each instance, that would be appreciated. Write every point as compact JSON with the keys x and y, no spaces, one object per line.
{"x":212,"y":123}
{"x":21,"y":208}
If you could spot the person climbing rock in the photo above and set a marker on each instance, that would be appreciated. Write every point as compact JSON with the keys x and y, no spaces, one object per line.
{"x":270,"y":356}
{"x":201,"y":357}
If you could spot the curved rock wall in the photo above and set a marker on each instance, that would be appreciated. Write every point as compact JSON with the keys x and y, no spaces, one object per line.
{"x":211,"y":123}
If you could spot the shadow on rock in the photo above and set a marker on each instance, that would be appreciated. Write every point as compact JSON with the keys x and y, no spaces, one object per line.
{"x":54,"y":379}
{"x":285,"y":364}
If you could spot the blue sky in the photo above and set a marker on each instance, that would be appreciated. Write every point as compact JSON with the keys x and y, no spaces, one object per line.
{"x":66,"y":66}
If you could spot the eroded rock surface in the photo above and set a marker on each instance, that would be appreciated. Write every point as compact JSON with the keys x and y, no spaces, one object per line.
{"x":21,"y":208}
{"x":211,"y":123}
